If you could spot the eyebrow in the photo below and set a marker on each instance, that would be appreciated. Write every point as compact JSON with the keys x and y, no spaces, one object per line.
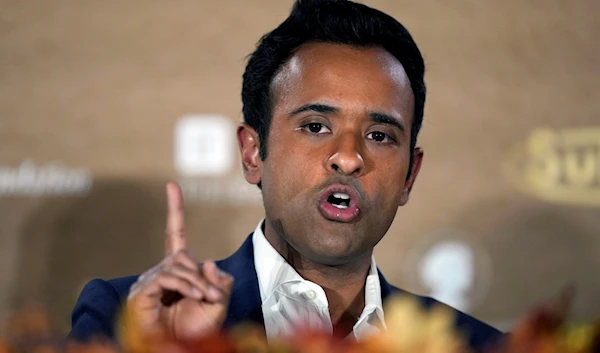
{"x":378,"y":117}
{"x":319,"y":108}
{"x":381,"y":118}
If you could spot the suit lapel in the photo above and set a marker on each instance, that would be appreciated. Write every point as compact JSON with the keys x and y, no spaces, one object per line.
{"x":386,"y":288}
{"x":245,"y":303}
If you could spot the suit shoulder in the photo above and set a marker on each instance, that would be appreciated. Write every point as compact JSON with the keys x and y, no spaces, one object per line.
{"x":479,"y":335}
{"x":121,"y":285}
{"x":98,"y":306}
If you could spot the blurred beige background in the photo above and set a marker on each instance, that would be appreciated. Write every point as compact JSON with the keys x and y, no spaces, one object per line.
{"x":91,"y":93}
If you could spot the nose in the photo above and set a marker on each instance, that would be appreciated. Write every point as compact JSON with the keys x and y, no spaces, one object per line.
{"x":347,"y":156}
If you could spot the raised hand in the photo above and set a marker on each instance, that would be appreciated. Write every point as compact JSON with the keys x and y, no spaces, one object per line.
{"x":178,"y":296}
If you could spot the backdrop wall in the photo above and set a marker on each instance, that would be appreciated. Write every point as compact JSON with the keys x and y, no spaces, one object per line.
{"x":102,"y":102}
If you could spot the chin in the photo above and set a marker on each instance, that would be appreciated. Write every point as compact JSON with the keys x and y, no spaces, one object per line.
{"x":332,"y":260}
{"x":334,"y":254}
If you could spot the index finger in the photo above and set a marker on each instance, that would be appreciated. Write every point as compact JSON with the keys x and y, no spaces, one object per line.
{"x":175,"y":232}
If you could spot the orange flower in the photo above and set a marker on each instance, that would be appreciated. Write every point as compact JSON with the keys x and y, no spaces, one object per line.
{"x":5,"y":347}
{"x":410,"y":328}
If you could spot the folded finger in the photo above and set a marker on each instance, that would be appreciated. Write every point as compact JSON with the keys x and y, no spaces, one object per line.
{"x":218,"y":279}
{"x":192,"y":276}
{"x":169,"y":282}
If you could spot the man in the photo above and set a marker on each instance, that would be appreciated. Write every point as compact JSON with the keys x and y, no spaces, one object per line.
{"x":333,"y":101}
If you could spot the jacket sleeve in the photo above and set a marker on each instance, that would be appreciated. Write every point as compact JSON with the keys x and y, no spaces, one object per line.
{"x":95,"y":312}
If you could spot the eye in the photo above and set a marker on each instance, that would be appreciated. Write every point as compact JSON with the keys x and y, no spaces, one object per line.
{"x":316,"y":128}
{"x":380,"y":137}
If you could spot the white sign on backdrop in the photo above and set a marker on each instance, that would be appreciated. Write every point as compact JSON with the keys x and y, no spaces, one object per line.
{"x":54,"y":179}
{"x":204,"y":145}
{"x":205,"y":153}
{"x":447,"y":270}
{"x":452,"y":267}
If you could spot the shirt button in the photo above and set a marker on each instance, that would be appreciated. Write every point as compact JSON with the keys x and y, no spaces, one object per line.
{"x":310,"y":294}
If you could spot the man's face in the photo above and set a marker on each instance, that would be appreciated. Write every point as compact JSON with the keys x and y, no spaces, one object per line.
{"x":338,"y":151}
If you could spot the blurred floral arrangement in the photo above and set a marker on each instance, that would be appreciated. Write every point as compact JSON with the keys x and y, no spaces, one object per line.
{"x":410,"y":329}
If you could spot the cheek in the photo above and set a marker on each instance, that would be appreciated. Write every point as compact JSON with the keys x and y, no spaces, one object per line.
{"x":295,"y":158}
{"x":391,"y":177}
{"x":290,"y":167}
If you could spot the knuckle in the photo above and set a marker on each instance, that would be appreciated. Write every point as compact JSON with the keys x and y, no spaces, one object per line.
{"x":185,"y":255}
{"x":145,"y":278}
{"x":132,"y":294}
{"x":179,"y":255}
{"x":165,"y":271}
{"x":168,"y":258}
{"x":199,"y":282}
{"x":178,"y":232}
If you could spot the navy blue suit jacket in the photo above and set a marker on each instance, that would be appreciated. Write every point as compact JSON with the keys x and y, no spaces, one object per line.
{"x":101,"y":301}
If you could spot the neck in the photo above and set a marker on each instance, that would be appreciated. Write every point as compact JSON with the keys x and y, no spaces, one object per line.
{"x":343,"y":283}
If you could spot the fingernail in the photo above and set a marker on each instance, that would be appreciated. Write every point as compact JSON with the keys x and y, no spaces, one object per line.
{"x":196,"y":293}
{"x":223,"y":274}
{"x":214,"y":292}
{"x":208,"y":264}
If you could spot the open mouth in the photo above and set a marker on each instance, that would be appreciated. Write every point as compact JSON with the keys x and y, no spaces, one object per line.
{"x":339,"y":200}
{"x":339,"y":203}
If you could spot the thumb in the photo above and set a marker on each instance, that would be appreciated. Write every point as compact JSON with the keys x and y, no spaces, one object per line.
{"x":219,"y":279}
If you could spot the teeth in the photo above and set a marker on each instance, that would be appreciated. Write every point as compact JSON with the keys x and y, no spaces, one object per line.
{"x":339,"y":195}
{"x":339,"y":206}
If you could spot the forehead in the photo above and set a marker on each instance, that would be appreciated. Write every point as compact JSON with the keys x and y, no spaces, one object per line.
{"x":343,"y":73}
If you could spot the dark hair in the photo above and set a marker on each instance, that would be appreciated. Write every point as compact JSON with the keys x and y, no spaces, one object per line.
{"x":328,"y":21}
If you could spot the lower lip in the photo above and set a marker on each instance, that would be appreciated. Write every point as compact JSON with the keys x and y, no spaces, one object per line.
{"x":333,"y":213}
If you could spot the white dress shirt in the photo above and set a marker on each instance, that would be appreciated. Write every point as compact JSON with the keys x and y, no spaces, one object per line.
{"x":289,"y":300}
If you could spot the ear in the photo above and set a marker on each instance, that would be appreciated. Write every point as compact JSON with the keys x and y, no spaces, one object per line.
{"x":416,"y":167}
{"x":249,"y":145}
